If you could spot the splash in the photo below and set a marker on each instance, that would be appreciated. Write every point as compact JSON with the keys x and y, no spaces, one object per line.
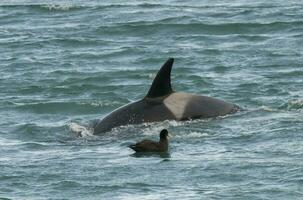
{"x":296,"y":104}
{"x":59,"y":7}
{"x":267,"y":108}
{"x":80,"y":130}
{"x":194,"y":134}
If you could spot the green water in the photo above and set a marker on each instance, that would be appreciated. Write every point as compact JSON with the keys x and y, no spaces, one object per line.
{"x":64,"y":64}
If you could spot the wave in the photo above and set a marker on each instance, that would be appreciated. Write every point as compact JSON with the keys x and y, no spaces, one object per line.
{"x":41,"y":7}
{"x":174,"y":25}
{"x":295,"y":104}
{"x":38,"y":135}
{"x":60,"y":7}
{"x":193,"y":134}
{"x":65,"y":107}
{"x":32,"y":145}
{"x":65,"y":184}
{"x":72,"y":4}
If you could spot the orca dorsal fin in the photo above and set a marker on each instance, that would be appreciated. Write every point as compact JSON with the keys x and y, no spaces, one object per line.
{"x":161,"y":85}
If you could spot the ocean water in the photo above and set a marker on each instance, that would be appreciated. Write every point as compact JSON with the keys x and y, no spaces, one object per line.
{"x":64,"y":64}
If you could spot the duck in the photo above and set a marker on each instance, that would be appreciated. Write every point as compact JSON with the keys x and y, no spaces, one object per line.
{"x":152,"y":146}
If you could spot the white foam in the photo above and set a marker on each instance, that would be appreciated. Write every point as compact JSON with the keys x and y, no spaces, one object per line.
{"x":103,"y":103}
{"x":80,"y":130}
{"x":266,"y":108}
{"x":9,"y":142}
{"x":193,"y":134}
{"x":61,"y":7}
{"x":296,"y":102}
{"x":154,"y":130}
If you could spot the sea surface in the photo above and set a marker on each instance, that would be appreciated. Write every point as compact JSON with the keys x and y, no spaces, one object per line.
{"x":64,"y":64}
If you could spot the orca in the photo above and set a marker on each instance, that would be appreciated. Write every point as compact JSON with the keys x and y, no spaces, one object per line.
{"x":163,"y":103}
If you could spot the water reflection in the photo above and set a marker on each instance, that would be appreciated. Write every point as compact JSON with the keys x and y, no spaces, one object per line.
{"x":151,"y":154}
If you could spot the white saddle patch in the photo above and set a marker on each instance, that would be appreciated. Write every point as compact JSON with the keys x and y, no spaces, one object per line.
{"x":176,"y":103}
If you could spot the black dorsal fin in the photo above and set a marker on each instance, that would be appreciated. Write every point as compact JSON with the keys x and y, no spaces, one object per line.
{"x":161,"y":85}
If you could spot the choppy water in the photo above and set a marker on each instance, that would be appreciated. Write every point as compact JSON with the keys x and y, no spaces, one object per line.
{"x":65,"y":63}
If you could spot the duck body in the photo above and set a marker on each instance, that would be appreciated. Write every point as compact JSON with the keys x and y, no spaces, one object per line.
{"x":152,"y":146}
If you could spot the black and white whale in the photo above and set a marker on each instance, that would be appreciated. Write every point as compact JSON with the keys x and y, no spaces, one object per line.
{"x":162,"y":103}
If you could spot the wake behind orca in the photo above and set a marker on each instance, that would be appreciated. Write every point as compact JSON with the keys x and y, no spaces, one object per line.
{"x":162,"y":103}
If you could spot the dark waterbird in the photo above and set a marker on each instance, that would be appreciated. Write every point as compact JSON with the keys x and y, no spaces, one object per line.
{"x":162,"y":103}
{"x":152,"y":146}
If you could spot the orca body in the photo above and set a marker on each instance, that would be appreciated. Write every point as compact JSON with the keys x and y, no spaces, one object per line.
{"x":162,"y":103}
